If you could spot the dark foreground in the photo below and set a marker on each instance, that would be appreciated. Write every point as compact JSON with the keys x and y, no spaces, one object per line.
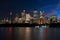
{"x":29,"y":33}
{"x":29,"y":25}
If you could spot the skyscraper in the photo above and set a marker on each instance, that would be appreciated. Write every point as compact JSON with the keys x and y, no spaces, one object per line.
{"x":10,"y":20}
{"x":16,"y":18}
{"x":23,"y":16}
{"x":47,"y":20}
{"x":28,"y":17}
{"x":54,"y":19}
{"x":35,"y":16}
{"x":41,"y":19}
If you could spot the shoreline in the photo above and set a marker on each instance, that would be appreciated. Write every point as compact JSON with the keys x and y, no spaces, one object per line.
{"x":28,"y":25}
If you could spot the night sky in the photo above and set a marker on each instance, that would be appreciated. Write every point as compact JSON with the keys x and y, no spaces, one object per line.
{"x":51,"y":7}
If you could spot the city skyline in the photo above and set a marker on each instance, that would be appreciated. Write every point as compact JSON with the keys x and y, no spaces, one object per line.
{"x":11,"y":15}
{"x":27,"y":18}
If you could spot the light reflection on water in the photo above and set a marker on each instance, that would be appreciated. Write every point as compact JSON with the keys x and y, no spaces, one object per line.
{"x":29,"y":33}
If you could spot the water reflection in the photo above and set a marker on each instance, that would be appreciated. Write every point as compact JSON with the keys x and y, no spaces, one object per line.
{"x":1,"y":29}
{"x":41,"y":34}
{"x":29,"y":33}
{"x":46,"y":33}
{"x":2,"y":35}
{"x":9,"y":33}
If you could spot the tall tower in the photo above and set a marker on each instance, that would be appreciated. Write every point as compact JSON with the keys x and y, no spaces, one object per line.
{"x":35,"y":13}
{"x":10,"y":20}
{"x":41,"y":20}
{"x":23,"y":16}
{"x":28,"y":17}
{"x":41,"y":14}
{"x":35,"y":16}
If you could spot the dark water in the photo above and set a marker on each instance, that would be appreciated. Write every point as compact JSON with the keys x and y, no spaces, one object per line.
{"x":29,"y":33}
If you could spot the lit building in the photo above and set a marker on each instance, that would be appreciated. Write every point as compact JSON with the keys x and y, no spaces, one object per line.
{"x":54,"y":19}
{"x":58,"y":20}
{"x":23,"y":16}
{"x":35,"y":16}
{"x":20,"y":20}
{"x":41,"y":20}
{"x":47,"y":20}
{"x":10,"y":20}
{"x":28,"y":18}
{"x":5,"y":20}
{"x":16,"y":18}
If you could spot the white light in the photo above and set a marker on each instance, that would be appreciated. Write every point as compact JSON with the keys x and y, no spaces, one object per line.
{"x":19,"y":18}
{"x":36,"y":26}
{"x":43,"y":26}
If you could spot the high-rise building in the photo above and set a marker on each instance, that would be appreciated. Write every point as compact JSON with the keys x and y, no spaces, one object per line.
{"x":54,"y":19}
{"x":23,"y":16}
{"x":10,"y":20}
{"x":41,"y":14}
{"x":41,"y":20}
{"x":20,"y":20}
{"x":35,"y":16}
{"x":16,"y":18}
{"x":28,"y":17}
{"x":47,"y":20}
